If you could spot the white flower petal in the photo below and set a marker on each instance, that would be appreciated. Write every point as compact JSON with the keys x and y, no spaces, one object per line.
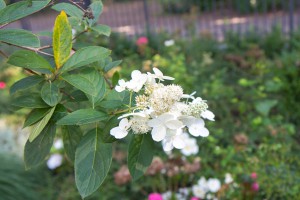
{"x":178,"y":142}
{"x":198,"y":129}
{"x":135,"y":74}
{"x":168,"y":78}
{"x":124,"y":124}
{"x":208,"y":115}
{"x":158,"y":133}
{"x":119,"y":88}
{"x":157,"y":72}
{"x":174,"y":124}
{"x":154,"y":122}
{"x":167,"y":145}
{"x":118,"y":133}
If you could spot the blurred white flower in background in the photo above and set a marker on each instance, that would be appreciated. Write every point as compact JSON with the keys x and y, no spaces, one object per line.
{"x":169,"y":43}
{"x":54,"y":161}
{"x":214,"y":184}
{"x":58,"y":144}
{"x":228,"y":178}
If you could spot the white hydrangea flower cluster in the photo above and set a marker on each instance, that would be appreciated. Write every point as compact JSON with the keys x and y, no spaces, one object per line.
{"x":163,"y":110}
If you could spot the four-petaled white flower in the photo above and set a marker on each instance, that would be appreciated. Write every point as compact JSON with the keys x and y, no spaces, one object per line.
{"x":159,"y":75}
{"x":121,"y":131}
{"x":208,"y":115}
{"x":174,"y":138}
{"x":191,"y":147}
{"x":162,"y":124}
{"x":195,"y":126}
{"x":138,"y":79}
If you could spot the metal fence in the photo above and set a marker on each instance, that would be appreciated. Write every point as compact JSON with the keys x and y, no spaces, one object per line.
{"x":201,"y":17}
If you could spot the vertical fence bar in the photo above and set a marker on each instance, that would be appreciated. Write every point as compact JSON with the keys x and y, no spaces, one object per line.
{"x":146,"y":15}
{"x":291,"y":17}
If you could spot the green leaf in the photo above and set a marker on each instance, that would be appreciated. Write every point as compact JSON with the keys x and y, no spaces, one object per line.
{"x":19,"y":37}
{"x":264,"y":107}
{"x":96,"y":8}
{"x":115,"y":78}
{"x":30,"y":60}
{"x":105,"y":132}
{"x":89,"y":81}
{"x":35,"y":152}
{"x":37,"y":128}
{"x":71,"y":137}
{"x":62,"y":39}
{"x":92,"y":163}
{"x":70,"y":9}
{"x":2,"y":4}
{"x":50,"y":94}
{"x":102,"y":29}
{"x":29,"y":101}
{"x":19,"y":10}
{"x":101,"y":91}
{"x":25,"y":83}
{"x":140,"y":154}
{"x":85,"y":56}
{"x":35,"y":115}
{"x":83,"y":116}
{"x":111,"y":65}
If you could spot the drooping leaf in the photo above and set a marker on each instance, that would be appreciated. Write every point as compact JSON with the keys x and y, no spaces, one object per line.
{"x":85,"y":56}
{"x":82,"y":116}
{"x":29,"y":101}
{"x":265,"y":106}
{"x":25,"y":83}
{"x":105,"y":132}
{"x":115,"y":78}
{"x":19,"y":37}
{"x":140,"y":154}
{"x":20,"y":9}
{"x":62,"y":39}
{"x":111,"y":65}
{"x":89,"y":81}
{"x":50,"y":94}
{"x":102,"y":29}
{"x":35,"y":115}
{"x":30,"y":60}
{"x":37,"y":128}
{"x":96,"y":8}
{"x":92,"y":163}
{"x":2,"y":4}
{"x":36,"y":151}
{"x":71,"y":137}
{"x":70,"y":9}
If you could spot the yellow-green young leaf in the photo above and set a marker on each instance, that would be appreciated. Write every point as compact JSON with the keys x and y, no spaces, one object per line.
{"x":62,"y":39}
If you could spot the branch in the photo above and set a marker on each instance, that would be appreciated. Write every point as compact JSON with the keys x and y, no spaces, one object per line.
{"x":30,"y":71}
{"x":68,"y":95}
{"x":109,"y":83}
{"x":31,"y":49}
{"x":76,"y":4}
{"x":79,"y":35}
{"x":3,"y":54}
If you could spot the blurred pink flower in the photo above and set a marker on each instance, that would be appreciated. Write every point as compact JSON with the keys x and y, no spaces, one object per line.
{"x":142,"y":41}
{"x":255,"y":186}
{"x":155,"y":196}
{"x":253,"y":175}
{"x":195,"y":198}
{"x":2,"y":85}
